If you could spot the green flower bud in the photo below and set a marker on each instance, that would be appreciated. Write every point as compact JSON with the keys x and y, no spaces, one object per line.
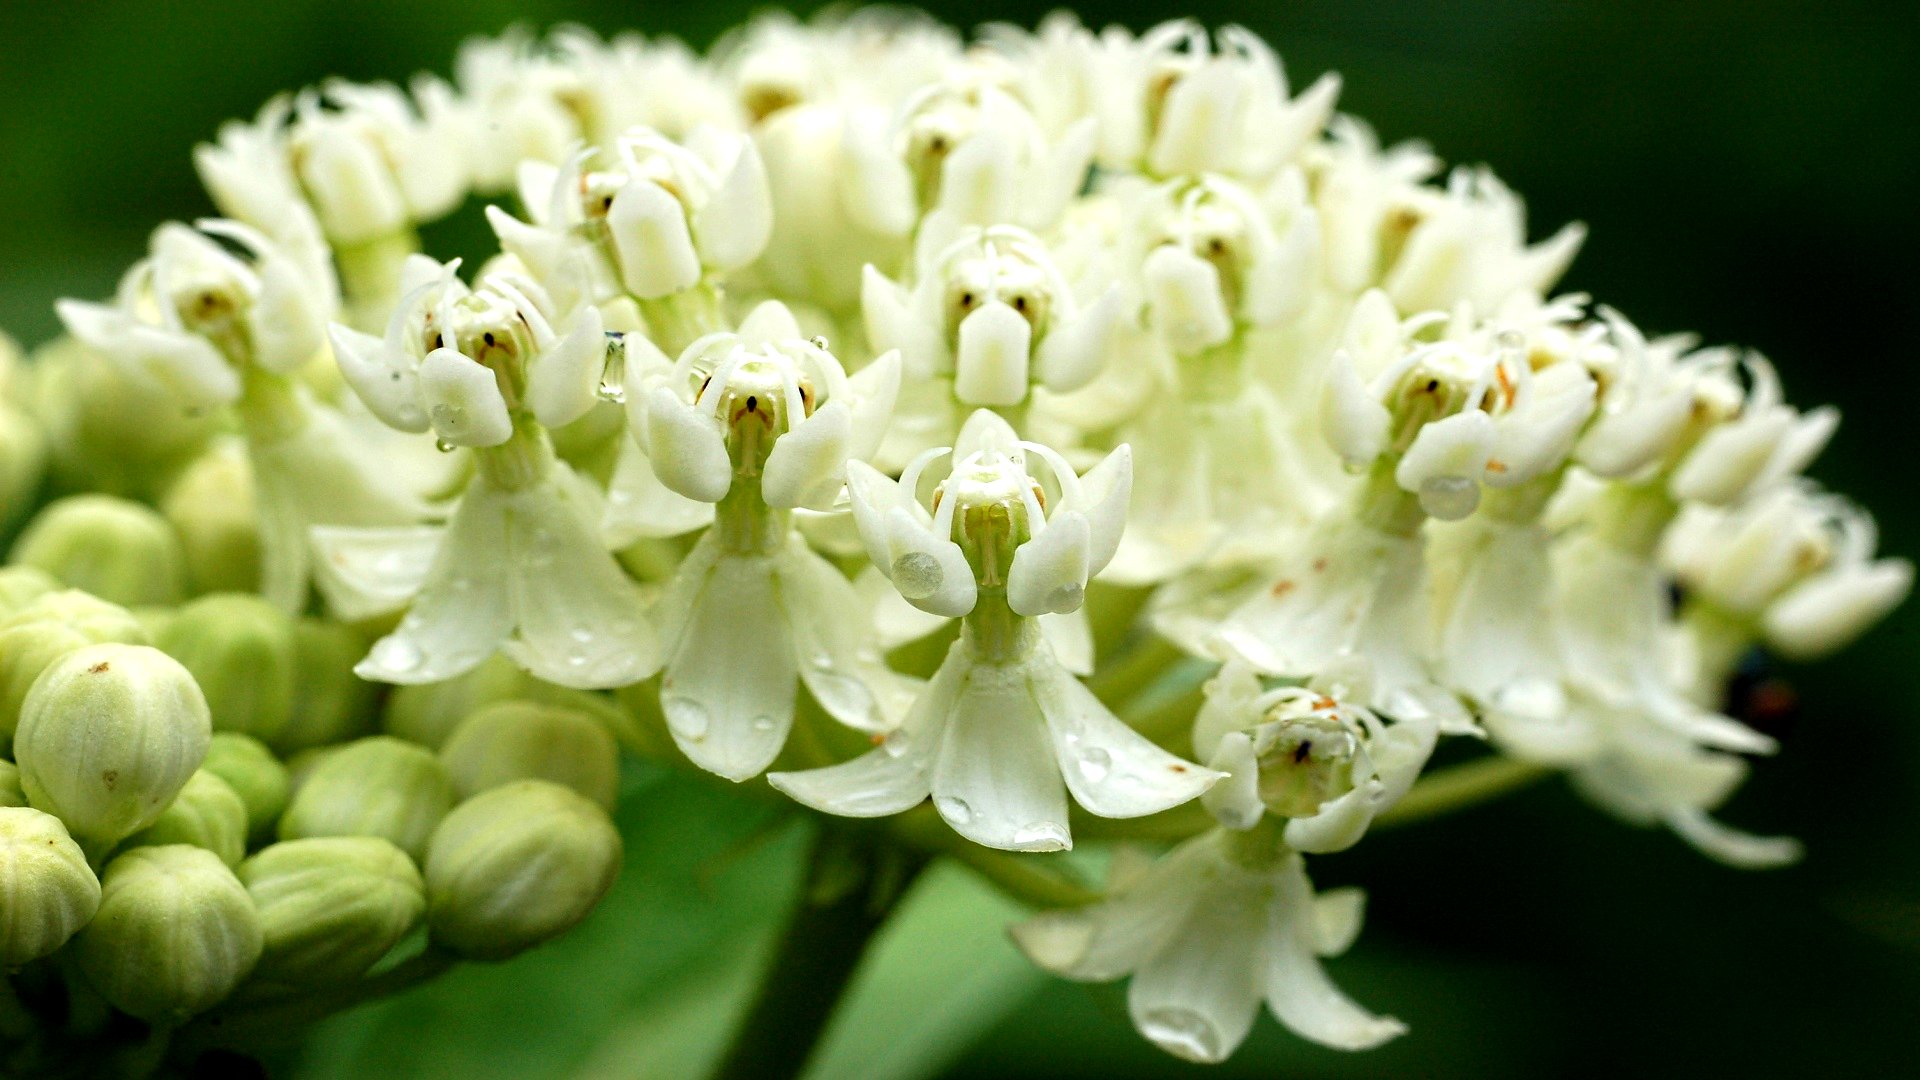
{"x":47,"y":891}
{"x":332,"y":704}
{"x":114,"y":548}
{"x":23,"y":462}
{"x":331,"y":907}
{"x":517,"y":865}
{"x":176,"y":932}
{"x":378,"y":786}
{"x":48,"y":628}
{"x":11,"y":793}
{"x":108,"y":736}
{"x":301,"y":765}
{"x":240,"y":650}
{"x":254,"y":774}
{"x":21,"y":585}
{"x":211,"y":508}
{"x":107,"y":432}
{"x":207,"y":813}
{"x":521,"y":740}
{"x":428,"y":713}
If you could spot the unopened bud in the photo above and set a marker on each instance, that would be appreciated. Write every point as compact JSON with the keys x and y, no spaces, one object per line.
{"x":332,"y":704}
{"x":211,"y":508}
{"x":331,"y":907}
{"x":22,"y":585}
{"x":23,"y":461}
{"x":240,"y":650}
{"x":521,"y":740}
{"x":254,"y":774}
{"x":175,"y":933}
{"x":378,"y":786}
{"x":48,"y":628}
{"x":11,"y":793}
{"x":114,"y":548}
{"x":47,"y":891}
{"x":516,"y":866}
{"x":108,"y":736}
{"x":206,"y":814}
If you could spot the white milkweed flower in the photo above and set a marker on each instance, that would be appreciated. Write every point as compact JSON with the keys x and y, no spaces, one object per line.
{"x":1326,"y":766}
{"x":1003,"y":732}
{"x":213,"y":328}
{"x":761,"y":422}
{"x":1209,"y":931}
{"x":649,"y":218}
{"x":367,"y":160}
{"x":520,"y":568}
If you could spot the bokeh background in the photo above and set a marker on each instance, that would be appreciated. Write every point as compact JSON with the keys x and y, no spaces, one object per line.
{"x":1749,"y":170}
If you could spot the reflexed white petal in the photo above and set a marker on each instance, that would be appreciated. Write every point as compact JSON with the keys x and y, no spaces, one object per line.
{"x":289,"y":317}
{"x":1070,"y":636}
{"x":580,"y":619}
{"x":895,"y":621}
{"x":1337,"y":916}
{"x":1829,"y":611}
{"x":1351,"y":418}
{"x":1184,"y":302}
{"x":564,"y":381}
{"x":464,"y":612}
{"x":874,"y":388}
{"x":1623,"y":442}
{"x":184,"y":364}
{"x":1114,"y":937}
{"x":994,"y":780}
{"x":834,"y":645}
{"x":1196,"y":998}
{"x":1731,"y":846}
{"x":687,"y":449}
{"x":1112,"y":770}
{"x":1235,"y":800}
{"x":363,"y":572}
{"x":639,"y":505}
{"x":729,"y":689}
{"x":463,"y":400}
{"x":1723,"y":464}
{"x":1049,"y":572}
{"x":733,"y":227}
{"x":807,"y":463}
{"x":650,"y":239}
{"x":1073,"y":352}
{"x":1802,"y":443}
{"x":991,"y":360}
{"x":1299,"y":992}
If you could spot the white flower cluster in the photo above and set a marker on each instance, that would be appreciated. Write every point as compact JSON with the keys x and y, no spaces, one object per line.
{"x":856,"y":334}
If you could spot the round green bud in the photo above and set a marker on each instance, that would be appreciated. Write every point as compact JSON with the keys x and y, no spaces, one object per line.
{"x":11,"y":793}
{"x":23,"y":462}
{"x":254,"y":774}
{"x":207,"y":813}
{"x":176,"y":932}
{"x":332,"y":704}
{"x":211,"y":508}
{"x":517,"y":865}
{"x":301,"y":765}
{"x":22,"y":585}
{"x":47,"y":890}
{"x":377,"y":786}
{"x":331,"y":907}
{"x":108,"y":737}
{"x":522,"y":740}
{"x":240,"y":650}
{"x":47,"y":628}
{"x":427,"y":713}
{"x":114,"y":548}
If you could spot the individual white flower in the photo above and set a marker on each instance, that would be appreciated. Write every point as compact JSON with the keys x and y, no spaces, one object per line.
{"x":1469,"y":242}
{"x":1003,"y":732}
{"x":761,"y":422}
{"x":862,"y":55}
{"x":1325,"y":766}
{"x":520,"y":568}
{"x":213,"y":328}
{"x":649,"y":218}
{"x":1207,"y":932}
{"x":1760,"y":442}
{"x":369,"y":161}
{"x":1175,"y":102}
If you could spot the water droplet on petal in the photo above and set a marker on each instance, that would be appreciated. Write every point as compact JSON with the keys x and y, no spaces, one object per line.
{"x":1183,"y":1033}
{"x":1449,"y":498}
{"x":581,"y":634}
{"x":895,"y":743}
{"x":688,"y":718}
{"x":444,"y":446}
{"x":397,"y":654}
{"x":1095,"y":764}
{"x":1041,"y":836}
{"x":917,"y":575}
{"x":954,"y":810}
{"x":763,"y":723}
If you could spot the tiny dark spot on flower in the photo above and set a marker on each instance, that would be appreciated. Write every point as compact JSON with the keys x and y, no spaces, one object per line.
{"x":1300,"y":752}
{"x":1432,"y":385}
{"x":753,"y":402}
{"x":99,"y":667}
{"x":1282,"y":588}
{"x":487,"y":337}
{"x":110,"y":778}
{"x":1177,"y":768}
{"x":1319,"y":565}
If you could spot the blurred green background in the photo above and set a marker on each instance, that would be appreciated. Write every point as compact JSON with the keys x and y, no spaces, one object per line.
{"x":1748,"y":169}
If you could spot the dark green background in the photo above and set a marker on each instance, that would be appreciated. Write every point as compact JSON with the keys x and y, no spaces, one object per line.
{"x":1748,"y":170}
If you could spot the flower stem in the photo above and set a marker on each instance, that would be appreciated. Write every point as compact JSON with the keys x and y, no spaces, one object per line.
{"x":1461,"y":786}
{"x":244,"y":1024}
{"x":853,"y":884}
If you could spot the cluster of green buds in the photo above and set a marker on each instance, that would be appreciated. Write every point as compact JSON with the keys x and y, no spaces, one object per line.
{"x":209,"y":825}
